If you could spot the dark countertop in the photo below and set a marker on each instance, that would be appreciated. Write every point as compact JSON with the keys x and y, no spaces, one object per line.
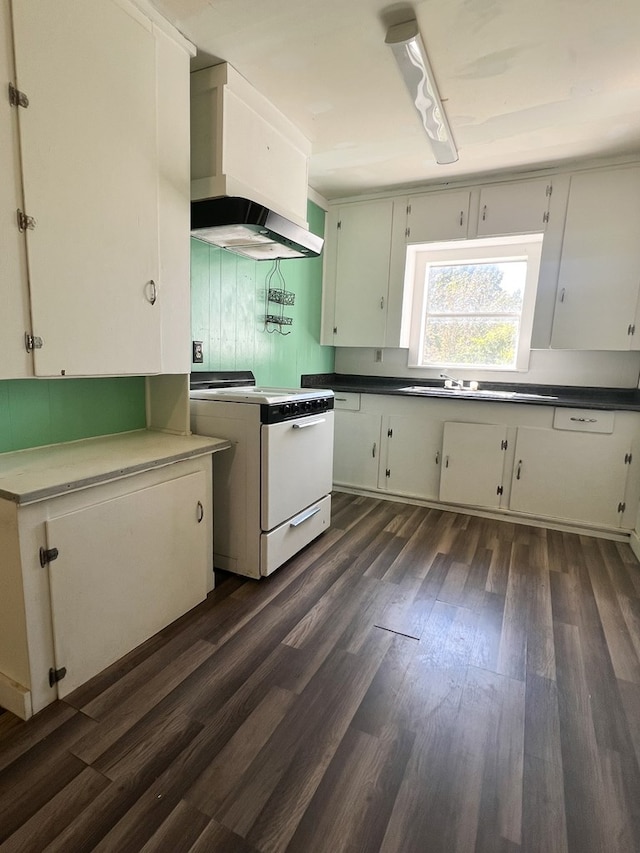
{"x":566,"y":396}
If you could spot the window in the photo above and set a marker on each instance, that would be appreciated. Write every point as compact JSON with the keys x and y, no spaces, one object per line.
{"x":473,"y":302}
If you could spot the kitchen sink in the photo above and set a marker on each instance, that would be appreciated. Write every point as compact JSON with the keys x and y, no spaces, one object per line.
{"x":431,"y":391}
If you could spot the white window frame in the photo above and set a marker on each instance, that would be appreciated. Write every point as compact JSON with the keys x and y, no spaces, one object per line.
{"x":481,"y":250}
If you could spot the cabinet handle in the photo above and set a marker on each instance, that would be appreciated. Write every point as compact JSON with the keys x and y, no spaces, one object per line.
{"x":341,"y":399}
{"x":562,"y":293}
{"x":373,"y":450}
{"x":462,"y":217}
{"x":446,"y":461}
{"x":519,"y":469}
{"x":200,"y":513}
{"x":585,"y":420}
{"x":437,"y":457}
{"x":382,"y":303}
{"x":484,"y":213}
{"x":153,"y":292}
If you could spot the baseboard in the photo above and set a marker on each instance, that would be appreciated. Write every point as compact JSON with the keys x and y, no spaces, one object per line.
{"x":498,"y":515}
{"x":15,"y":698}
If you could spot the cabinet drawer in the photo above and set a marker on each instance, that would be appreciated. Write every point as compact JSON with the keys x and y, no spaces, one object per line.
{"x":583,"y":420}
{"x":347,"y":400}
{"x":279,"y":545}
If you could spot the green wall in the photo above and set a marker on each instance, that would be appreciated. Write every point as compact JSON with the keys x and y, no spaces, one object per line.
{"x":46,"y":411}
{"x":228,"y":308}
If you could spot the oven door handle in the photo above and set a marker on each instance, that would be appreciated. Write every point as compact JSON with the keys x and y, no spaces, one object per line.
{"x":304,"y":517}
{"x":310,"y":423}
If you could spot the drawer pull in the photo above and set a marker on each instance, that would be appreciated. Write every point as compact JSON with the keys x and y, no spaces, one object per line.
{"x":341,"y":399}
{"x":519,"y":469}
{"x":305,"y":517}
{"x":200,"y":513}
{"x":374,"y":449}
{"x":585,"y":420}
{"x":310,"y":424}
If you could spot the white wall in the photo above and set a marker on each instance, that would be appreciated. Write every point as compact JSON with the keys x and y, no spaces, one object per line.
{"x":547,"y":367}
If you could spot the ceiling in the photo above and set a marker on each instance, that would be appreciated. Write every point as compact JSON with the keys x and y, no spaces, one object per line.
{"x":525,"y":84}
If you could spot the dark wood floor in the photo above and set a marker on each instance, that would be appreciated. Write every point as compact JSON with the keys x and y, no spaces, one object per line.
{"x":415,"y":680}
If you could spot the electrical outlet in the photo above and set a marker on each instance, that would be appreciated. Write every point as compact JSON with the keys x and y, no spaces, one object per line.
{"x":197,"y":353}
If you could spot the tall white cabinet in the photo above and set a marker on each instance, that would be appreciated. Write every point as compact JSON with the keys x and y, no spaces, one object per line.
{"x":105,"y":185}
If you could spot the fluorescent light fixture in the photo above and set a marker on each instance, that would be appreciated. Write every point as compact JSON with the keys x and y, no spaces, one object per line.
{"x":407,"y":46}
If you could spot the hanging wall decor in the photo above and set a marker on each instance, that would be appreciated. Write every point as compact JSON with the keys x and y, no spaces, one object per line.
{"x":277,"y":294}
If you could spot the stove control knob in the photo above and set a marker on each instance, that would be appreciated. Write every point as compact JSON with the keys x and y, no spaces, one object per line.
{"x":286,"y":409}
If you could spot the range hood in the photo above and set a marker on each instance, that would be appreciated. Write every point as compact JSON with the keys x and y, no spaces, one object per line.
{"x":250,"y":229}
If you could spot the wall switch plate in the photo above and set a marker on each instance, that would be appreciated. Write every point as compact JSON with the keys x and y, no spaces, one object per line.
{"x":197,"y":353}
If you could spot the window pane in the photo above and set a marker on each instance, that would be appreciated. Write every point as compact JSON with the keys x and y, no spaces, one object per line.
{"x":476,"y":288}
{"x":473,"y":341}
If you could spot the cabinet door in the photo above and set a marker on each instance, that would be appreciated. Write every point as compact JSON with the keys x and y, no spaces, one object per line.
{"x":517,"y":208}
{"x":90,"y":164}
{"x":438,"y":216}
{"x":413,"y":447}
{"x":570,"y":475}
{"x":14,"y":316}
{"x":356,"y":449}
{"x":600,"y":263}
{"x":126,"y":568}
{"x":362,"y":274}
{"x":174,"y":205}
{"x":472,"y":463}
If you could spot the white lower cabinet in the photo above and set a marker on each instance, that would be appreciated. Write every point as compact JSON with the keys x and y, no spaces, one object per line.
{"x":473,"y":457}
{"x":88,"y":576}
{"x":356,"y":449}
{"x":411,"y":461}
{"x":570,"y":475}
{"x":566,"y":465}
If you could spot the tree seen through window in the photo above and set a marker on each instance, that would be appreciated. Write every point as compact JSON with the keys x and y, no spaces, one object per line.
{"x":473,"y":312}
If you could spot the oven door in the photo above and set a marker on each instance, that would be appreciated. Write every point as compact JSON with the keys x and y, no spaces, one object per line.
{"x":297,"y":466}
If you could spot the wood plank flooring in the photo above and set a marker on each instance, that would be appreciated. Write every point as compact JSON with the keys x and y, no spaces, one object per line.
{"x":415,"y":680}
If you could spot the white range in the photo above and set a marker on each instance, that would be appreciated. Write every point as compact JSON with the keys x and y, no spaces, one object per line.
{"x":272,"y":489}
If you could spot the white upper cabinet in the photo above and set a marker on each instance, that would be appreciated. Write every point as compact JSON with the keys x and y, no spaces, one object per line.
{"x":600,"y":263}
{"x":174,"y":204}
{"x":521,"y":207}
{"x":103,"y":177}
{"x":90,"y":168}
{"x":14,"y":316}
{"x":438,"y":216}
{"x":360,"y":274}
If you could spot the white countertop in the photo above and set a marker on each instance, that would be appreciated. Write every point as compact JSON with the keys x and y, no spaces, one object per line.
{"x":44,"y":472}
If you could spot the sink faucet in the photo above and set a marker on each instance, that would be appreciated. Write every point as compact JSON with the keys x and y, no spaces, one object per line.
{"x":455,"y":383}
